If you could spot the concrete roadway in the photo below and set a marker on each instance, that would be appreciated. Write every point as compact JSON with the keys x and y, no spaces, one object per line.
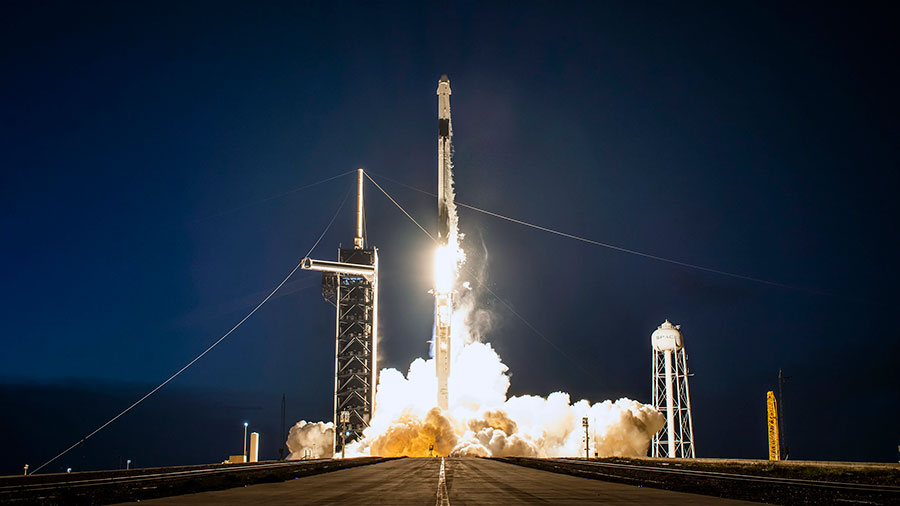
{"x":421,"y":482}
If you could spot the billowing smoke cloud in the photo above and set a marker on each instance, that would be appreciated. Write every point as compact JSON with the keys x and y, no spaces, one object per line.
{"x":410,"y":435}
{"x":311,"y":440}
{"x":482,"y":421}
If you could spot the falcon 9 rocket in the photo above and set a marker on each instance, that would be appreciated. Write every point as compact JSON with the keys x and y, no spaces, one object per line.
{"x":445,"y":181}
{"x":443,"y":289}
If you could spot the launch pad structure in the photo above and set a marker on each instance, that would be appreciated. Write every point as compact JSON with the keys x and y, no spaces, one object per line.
{"x":351,"y":285}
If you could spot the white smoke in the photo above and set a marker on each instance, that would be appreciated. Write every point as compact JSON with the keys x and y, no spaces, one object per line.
{"x":482,"y":421}
{"x":311,"y":440}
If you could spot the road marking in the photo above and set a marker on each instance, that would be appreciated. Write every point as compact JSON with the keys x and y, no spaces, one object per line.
{"x":443,"y":499}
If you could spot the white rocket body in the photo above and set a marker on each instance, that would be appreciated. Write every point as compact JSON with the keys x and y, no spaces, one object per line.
{"x":445,"y":166}
{"x":443,"y":297}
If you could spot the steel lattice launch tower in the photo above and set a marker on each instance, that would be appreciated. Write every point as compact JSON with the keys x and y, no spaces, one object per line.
{"x":351,"y":284}
{"x":670,"y":394}
{"x":443,"y":295}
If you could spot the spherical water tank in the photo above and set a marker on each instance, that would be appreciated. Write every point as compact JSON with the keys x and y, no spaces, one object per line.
{"x":667,"y":337}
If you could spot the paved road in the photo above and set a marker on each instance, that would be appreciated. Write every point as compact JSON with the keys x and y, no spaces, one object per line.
{"x":421,"y":482}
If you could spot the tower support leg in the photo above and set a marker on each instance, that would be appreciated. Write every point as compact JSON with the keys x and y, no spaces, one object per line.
{"x":670,"y":405}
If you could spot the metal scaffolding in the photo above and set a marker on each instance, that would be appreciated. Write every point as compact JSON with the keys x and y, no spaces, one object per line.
{"x":351,"y":285}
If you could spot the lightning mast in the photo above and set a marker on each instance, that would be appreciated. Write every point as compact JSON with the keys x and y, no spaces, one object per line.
{"x":443,"y":295}
{"x":351,"y":284}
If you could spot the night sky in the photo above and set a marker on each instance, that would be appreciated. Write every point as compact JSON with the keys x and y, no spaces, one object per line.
{"x":150,"y":153}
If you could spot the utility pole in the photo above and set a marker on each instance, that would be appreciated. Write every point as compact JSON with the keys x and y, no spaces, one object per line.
{"x":782,"y":435}
{"x":587,"y":439}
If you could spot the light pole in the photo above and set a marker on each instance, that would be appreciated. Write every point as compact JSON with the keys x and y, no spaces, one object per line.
{"x":587,"y":439}
{"x":245,"y":441}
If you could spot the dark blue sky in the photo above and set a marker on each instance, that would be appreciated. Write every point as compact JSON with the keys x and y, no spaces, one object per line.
{"x":141,"y":142}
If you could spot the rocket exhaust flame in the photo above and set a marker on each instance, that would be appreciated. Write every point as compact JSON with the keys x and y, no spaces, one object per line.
{"x":473,"y":415}
{"x":446,"y":265}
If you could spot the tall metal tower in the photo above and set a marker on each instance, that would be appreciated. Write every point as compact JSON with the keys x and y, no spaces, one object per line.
{"x":351,"y":285}
{"x":670,"y":394}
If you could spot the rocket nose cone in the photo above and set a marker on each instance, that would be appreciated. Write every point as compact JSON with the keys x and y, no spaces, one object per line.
{"x":444,"y":78}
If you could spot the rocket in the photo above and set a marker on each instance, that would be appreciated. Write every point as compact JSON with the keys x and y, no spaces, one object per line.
{"x":443,"y":295}
{"x":445,"y":185}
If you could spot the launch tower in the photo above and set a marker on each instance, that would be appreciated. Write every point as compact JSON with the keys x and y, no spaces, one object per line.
{"x":670,"y":394}
{"x":351,"y":285}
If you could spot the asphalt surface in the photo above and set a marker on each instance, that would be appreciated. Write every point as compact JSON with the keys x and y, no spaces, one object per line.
{"x":770,"y":482}
{"x":443,"y":482}
{"x":112,"y":486}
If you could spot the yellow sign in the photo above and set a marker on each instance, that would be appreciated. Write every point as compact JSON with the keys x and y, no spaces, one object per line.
{"x":774,"y":449}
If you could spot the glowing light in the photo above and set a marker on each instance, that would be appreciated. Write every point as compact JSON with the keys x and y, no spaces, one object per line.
{"x":446,"y":263}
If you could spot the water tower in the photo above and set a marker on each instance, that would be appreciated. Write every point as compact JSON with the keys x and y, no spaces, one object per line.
{"x":670,"y":394}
